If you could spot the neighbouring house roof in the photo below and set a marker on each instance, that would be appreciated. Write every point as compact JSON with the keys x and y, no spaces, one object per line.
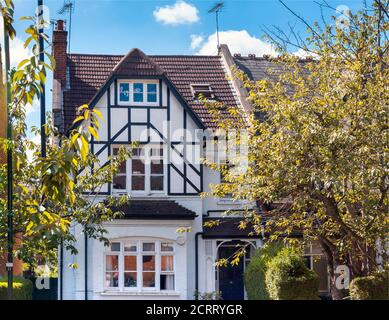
{"x":261,"y":68}
{"x":155,"y":209}
{"x":89,"y":72}
{"x":228,"y":228}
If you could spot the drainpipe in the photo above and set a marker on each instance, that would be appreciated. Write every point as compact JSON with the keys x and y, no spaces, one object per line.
{"x":86,"y":266}
{"x":197,"y":263}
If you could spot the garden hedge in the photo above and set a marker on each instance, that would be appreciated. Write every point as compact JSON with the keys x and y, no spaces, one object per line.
{"x":373,"y":287}
{"x":254,"y":275}
{"x":22,"y":289}
{"x":288,"y":278}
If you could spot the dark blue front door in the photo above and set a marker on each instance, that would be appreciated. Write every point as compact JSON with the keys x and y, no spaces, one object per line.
{"x":231,"y":277}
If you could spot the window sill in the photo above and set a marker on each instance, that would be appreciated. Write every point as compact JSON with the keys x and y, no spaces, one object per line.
{"x":140,"y":293}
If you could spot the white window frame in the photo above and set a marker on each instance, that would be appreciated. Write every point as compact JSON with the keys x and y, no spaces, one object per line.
{"x":147,"y":159}
{"x":139,"y":253}
{"x":131,"y":93}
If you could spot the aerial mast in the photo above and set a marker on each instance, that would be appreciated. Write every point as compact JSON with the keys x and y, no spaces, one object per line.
{"x":216,"y":9}
{"x":68,"y":7}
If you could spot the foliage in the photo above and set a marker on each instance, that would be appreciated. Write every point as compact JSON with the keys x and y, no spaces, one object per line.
{"x":254,"y":275}
{"x":53,"y":192}
{"x":287,"y":278}
{"x":373,"y":287}
{"x":214,"y":295}
{"x":22,"y":289}
{"x":318,"y":161}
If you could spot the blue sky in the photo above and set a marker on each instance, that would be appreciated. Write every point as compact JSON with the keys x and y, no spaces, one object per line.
{"x":171,"y":27}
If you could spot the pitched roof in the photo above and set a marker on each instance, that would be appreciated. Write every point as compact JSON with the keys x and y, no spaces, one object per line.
{"x":155,"y":209}
{"x":260,"y":68}
{"x":88,"y":73}
{"x":228,"y":228}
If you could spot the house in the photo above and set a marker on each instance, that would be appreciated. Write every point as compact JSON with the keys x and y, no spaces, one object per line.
{"x":260,"y":68}
{"x":153,"y":100}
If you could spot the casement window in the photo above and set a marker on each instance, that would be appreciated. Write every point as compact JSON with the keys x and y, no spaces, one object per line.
{"x":138,"y":93}
{"x":151,"y":92}
{"x":124,"y":92}
{"x":120,"y":180}
{"x":316,"y":261}
{"x":140,"y":265}
{"x":143,"y":173}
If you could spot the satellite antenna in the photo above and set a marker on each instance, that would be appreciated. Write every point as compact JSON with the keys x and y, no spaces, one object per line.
{"x":68,"y":7}
{"x":216,"y":9}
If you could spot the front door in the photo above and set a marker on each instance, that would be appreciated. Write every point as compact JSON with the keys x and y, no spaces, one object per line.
{"x":231,"y":283}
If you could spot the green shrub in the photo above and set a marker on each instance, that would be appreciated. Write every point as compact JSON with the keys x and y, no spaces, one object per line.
{"x":254,"y":275}
{"x":287,"y":278}
{"x":373,"y":287}
{"x":22,"y":289}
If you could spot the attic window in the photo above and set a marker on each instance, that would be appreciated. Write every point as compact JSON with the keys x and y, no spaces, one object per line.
{"x":203,"y":90}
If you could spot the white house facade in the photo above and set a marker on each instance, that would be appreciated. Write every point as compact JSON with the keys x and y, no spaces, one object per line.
{"x":153,"y":101}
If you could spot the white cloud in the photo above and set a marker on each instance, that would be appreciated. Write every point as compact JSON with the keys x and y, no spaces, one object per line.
{"x":179,"y":13}
{"x":18,"y":52}
{"x":36,"y":139}
{"x":32,"y":108}
{"x":304,"y":54}
{"x":16,"y":48}
{"x":238,"y":41}
{"x":196,"y":41}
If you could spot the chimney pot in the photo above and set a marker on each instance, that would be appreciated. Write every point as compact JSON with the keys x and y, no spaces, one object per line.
{"x":60,"y":25}
{"x":266,"y":56}
{"x":252,"y":56}
{"x":237,"y":55}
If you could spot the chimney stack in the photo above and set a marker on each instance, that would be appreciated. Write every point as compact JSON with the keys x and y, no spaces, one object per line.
{"x":59,"y":54}
{"x":60,"y":44}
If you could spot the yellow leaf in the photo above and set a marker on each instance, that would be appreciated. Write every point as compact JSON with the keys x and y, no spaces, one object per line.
{"x":93,"y":132}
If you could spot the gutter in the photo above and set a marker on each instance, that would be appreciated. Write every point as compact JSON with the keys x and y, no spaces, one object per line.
{"x":197,"y":263}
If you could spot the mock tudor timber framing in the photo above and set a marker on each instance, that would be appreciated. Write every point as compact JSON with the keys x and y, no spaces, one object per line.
{"x":113,"y":137}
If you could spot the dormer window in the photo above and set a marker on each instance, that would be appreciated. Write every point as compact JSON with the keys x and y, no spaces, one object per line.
{"x":203,"y":90}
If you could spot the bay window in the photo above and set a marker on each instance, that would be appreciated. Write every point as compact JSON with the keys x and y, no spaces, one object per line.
{"x":140,"y":265}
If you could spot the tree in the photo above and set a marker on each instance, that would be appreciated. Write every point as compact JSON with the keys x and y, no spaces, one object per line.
{"x":318,"y":153}
{"x":54,"y":192}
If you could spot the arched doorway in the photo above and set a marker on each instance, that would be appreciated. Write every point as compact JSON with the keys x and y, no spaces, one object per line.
{"x":230,"y":278}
